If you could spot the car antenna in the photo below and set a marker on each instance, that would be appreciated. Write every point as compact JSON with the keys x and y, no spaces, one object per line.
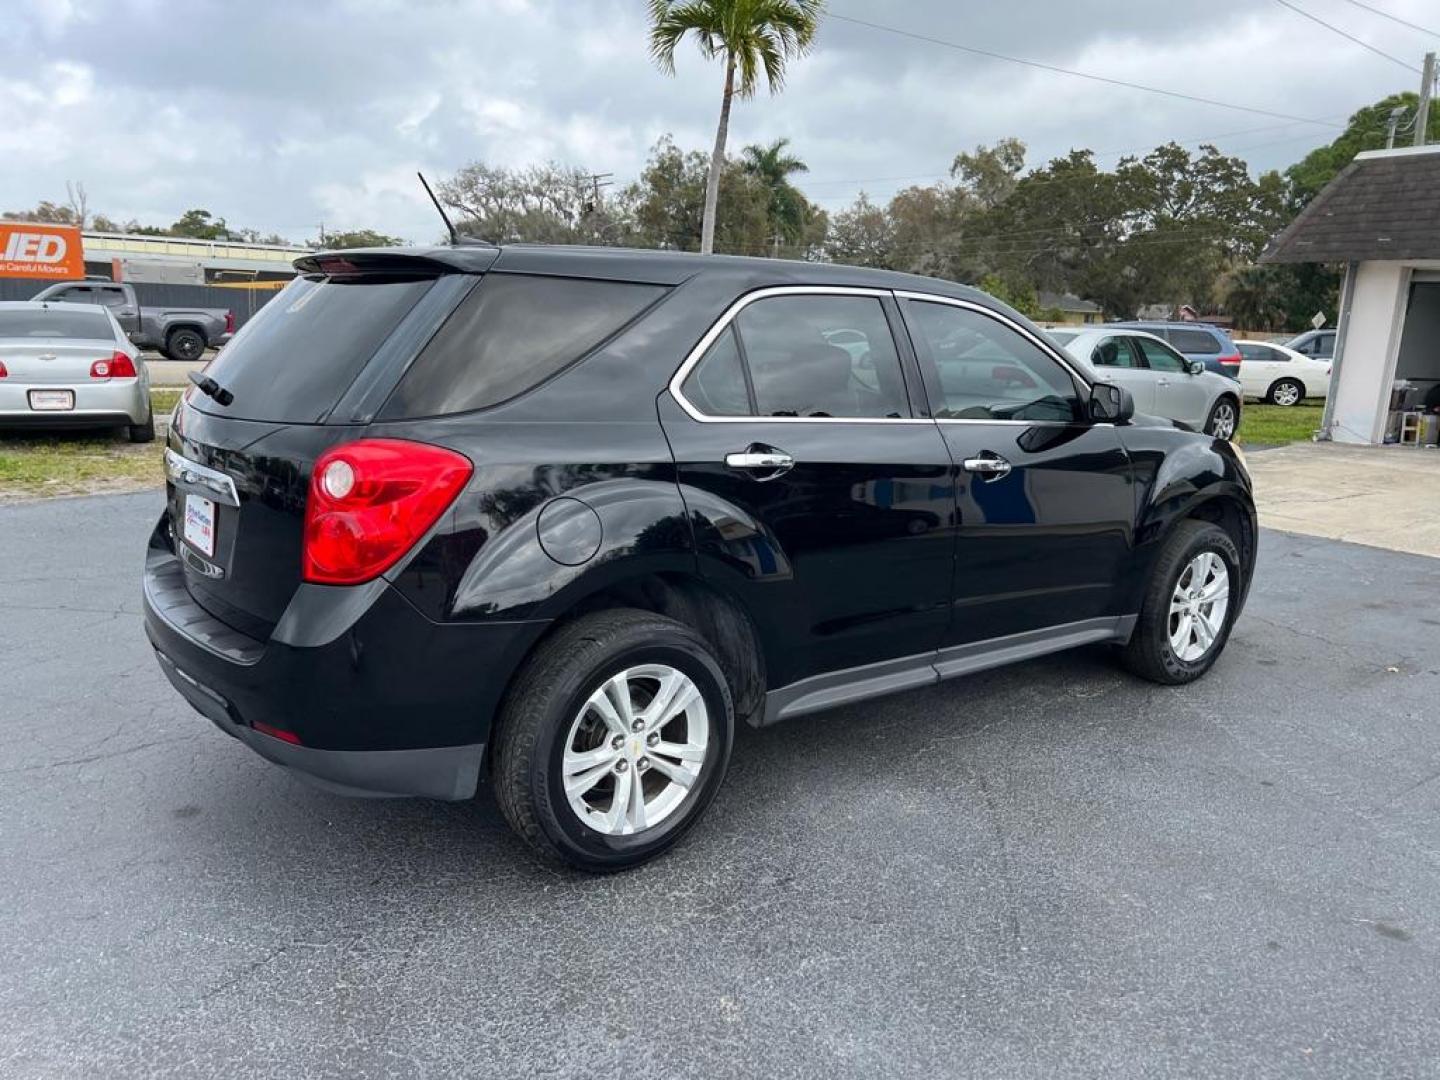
{"x":456,"y":240}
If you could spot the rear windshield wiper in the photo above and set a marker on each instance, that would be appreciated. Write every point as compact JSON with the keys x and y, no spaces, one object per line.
{"x":210,"y":388}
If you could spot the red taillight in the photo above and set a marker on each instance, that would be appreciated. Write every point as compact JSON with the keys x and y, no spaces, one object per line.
{"x":4,"y":374}
{"x":370,"y":501}
{"x":119,"y":366}
{"x":1230,"y":361}
{"x":276,"y":733}
{"x":229,"y":322}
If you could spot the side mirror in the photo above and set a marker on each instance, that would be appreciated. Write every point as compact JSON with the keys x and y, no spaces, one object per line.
{"x":1195,"y":367}
{"x":1111,"y":404}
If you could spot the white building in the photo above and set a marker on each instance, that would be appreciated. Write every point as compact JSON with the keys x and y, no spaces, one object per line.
{"x":1381,"y":218}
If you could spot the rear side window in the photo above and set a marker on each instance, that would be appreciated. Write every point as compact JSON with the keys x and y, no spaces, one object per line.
{"x":37,"y":323}
{"x":803,"y":356}
{"x":301,"y":351}
{"x":1198,"y":342}
{"x":717,"y":387}
{"x":512,"y":333}
{"x":1113,"y":352}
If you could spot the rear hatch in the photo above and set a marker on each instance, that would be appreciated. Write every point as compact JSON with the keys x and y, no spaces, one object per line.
{"x":305,"y":373}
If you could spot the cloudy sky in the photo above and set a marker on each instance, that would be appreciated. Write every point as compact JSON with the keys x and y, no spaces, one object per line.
{"x":281,"y":115}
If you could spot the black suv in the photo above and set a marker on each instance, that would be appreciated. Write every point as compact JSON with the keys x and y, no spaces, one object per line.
{"x":561,"y":516}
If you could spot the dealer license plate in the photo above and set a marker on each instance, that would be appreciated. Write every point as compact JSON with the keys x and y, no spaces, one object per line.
{"x":200,"y":524}
{"x":52,"y":400}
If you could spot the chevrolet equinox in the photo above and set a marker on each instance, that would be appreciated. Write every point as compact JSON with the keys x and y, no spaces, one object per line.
{"x":562,"y":516}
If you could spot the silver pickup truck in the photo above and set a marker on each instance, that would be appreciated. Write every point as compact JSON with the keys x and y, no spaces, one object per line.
{"x":179,"y":333}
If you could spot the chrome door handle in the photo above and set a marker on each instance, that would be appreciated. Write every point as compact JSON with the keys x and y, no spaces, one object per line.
{"x":759,"y":460}
{"x":757,"y":457}
{"x":991,"y":468}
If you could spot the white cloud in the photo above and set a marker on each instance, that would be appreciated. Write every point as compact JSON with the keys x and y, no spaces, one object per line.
{"x":278,"y":116}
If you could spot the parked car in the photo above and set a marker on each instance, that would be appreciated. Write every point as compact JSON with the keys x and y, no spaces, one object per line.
{"x":1316,"y":344}
{"x":1195,"y":341}
{"x":561,"y":516}
{"x":179,"y":333}
{"x":1280,"y":375}
{"x":70,"y":366}
{"x":1162,"y":382}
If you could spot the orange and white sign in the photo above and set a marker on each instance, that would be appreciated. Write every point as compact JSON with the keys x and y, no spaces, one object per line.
{"x":32,"y":250}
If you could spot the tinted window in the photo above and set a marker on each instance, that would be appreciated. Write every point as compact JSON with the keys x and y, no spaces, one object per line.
{"x":1159,"y":356}
{"x":988,"y":371}
{"x":78,"y":294}
{"x":110,"y":297}
{"x":1261,"y":352}
{"x":822,"y":356}
{"x":299,"y":353}
{"x":38,"y":323}
{"x":511,"y":334}
{"x":1200,"y":342}
{"x":1113,"y":352}
{"x":717,"y":385}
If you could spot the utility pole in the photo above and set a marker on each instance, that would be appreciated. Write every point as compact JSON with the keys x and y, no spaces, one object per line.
{"x":597,"y":181}
{"x":1427,"y":90}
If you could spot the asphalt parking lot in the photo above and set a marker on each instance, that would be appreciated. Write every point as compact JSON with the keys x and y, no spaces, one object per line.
{"x":1047,"y":871}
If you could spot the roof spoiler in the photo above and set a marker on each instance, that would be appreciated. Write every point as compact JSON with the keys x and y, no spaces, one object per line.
{"x":465,"y":259}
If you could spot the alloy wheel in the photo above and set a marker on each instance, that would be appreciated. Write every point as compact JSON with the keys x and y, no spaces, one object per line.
{"x":1287,"y":393}
{"x":1198,"y":606}
{"x":635,"y":749}
{"x":1222,"y":424}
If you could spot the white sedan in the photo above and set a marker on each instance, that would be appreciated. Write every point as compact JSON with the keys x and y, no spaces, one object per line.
{"x":1281,"y":375}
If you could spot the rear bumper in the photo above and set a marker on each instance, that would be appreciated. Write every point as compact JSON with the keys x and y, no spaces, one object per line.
{"x":380,"y":701}
{"x":448,"y":772}
{"x":99,"y":404}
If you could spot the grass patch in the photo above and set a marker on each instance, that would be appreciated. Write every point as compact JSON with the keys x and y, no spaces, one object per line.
{"x":163,"y":402}
{"x":1271,"y":425}
{"x":40,"y":465}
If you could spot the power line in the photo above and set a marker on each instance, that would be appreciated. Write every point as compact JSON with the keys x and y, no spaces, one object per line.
{"x":1079,"y":74}
{"x":1348,"y":36}
{"x":1394,"y":18}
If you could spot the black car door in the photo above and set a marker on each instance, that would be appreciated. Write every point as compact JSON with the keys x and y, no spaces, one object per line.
{"x":820,"y":494}
{"x":1045,"y":497}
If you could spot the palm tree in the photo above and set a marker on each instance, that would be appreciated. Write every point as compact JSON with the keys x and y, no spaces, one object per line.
{"x":773,"y":167}
{"x":1252,"y":297}
{"x":753,"y":37}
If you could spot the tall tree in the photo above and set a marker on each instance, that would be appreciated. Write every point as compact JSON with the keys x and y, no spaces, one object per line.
{"x":752,"y":37}
{"x":773,"y":166}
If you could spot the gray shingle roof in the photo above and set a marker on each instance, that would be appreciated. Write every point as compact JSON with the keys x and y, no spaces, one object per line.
{"x":1383,"y":205}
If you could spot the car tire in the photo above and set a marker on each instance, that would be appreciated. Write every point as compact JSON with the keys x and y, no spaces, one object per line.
{"x":142,"y":433}
{"x":549,"y":724}
{"x":1153,"y":652}
{"x":184,"y":344}
{"x":1286,"y":392}
{"x":1224,"y":419}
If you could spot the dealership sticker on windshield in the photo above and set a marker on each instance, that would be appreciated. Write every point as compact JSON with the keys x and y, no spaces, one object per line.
{"x":200,"y":524}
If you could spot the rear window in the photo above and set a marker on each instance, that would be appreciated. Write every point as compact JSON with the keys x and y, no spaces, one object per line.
{"x":1194,"y":341}
{"x":301,"y":351}
{"x":36,"y":323}
{"x":511,"y":334}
